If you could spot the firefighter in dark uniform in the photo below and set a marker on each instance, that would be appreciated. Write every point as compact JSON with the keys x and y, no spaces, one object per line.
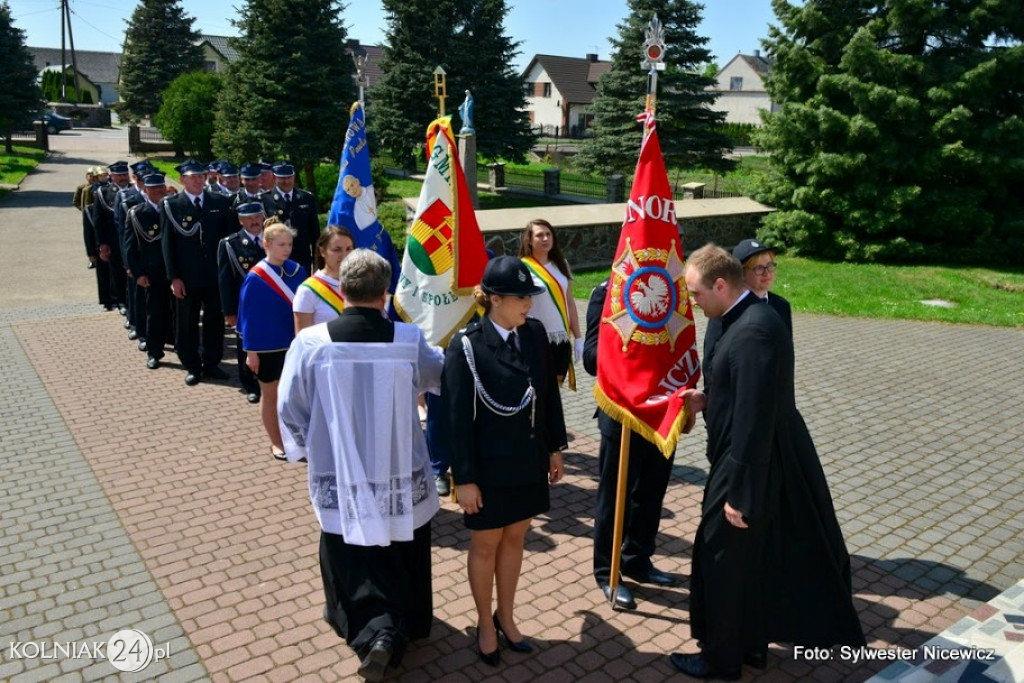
{"x":236,"y":254}
{"x":193,"y":223}
{"x":144,"y":257}
{"x":297,"y":209}
{"x":135,"y":300}
{"x":229,"y":181}
{"x":107,"y":245}
{"x":90,"y":235}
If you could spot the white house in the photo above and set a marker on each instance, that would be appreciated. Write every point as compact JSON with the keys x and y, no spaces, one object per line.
{"x":740,"y":88}
{"x":559,"y":92}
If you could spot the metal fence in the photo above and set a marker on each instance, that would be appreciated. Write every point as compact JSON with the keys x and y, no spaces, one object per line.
{"x":524,"y":179}
{"x":561,"y":132}
{"x":583,"y":186}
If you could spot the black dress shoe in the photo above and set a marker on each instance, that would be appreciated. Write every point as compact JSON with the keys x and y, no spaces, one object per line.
{"x":623,"y":597}
{"x":695,"y":666}
{"x":652,"y":576}
{"x":216,"y":373}
{"x":376,"y":661}
{"x":133,"y":334}
{"x":252,"y":397}
{"x":758,"y":660}
{"x":142,"y":345}
{"x":192,"y":379}
{"x":153,"y":363}
{"x":520,"y":646}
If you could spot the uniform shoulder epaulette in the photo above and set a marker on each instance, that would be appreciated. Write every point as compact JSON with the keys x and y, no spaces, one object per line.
{"x":471,"y":328}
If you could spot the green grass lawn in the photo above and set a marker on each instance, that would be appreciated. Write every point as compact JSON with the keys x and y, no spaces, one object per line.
{"x":982,"y":296}
{"x":14,"y":167}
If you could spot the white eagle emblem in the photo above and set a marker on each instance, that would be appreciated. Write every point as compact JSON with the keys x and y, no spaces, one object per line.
{"x":651,"y":298}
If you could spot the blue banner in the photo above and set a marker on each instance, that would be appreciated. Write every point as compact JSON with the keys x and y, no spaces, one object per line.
{"x":355,"y":204}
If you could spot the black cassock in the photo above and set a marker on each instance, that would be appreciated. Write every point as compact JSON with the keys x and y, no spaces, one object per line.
{"x":787,"y":577}
{"x":375,"y":591}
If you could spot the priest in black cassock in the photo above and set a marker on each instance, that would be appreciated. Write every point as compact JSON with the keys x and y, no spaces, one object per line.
{"x":347,"y":404}
{"x":769,"y":560}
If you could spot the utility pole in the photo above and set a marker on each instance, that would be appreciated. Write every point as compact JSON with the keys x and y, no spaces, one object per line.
{"x":74,"y":61}
{"x":65,"y":20}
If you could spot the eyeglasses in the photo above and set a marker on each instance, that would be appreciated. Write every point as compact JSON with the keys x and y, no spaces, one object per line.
{"x":765,"y":269}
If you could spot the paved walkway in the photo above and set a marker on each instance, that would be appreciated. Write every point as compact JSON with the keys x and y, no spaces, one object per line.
{"x":132,"y":501}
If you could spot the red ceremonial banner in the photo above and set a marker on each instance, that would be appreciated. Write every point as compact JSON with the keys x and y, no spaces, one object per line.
{"x":647,"y":343}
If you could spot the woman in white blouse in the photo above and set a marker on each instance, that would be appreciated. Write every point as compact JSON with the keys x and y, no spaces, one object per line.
{"x":318,"y":299}
{"x":555,"y":308}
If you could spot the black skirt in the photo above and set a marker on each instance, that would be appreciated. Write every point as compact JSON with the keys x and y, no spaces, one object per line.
{"x":504,"y":505}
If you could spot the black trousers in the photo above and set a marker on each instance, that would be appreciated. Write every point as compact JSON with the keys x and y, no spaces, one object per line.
{"x":137,"y":308}
{"x":207,"y":301}
{"x":103,"y":284}
{"x":646,"y":483}
{"x":157,"y":306}
{"x":378,"y":591}
{"x":118,"y":278}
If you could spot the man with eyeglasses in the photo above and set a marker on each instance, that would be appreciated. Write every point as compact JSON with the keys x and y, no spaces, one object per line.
{"x":758,"y":260}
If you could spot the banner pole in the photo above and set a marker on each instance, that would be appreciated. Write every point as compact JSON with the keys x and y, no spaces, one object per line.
{"x":620,"y":513}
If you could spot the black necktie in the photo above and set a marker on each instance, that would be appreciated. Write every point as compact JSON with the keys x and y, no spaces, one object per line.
{"x":511,"y":341}
{"x":199,"y":204}
{"x":259,"y":242}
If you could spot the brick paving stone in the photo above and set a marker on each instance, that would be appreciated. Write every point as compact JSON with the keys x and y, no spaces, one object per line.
{"x":162,"y":494}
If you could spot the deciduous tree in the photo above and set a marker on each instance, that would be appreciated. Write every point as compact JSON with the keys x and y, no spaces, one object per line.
{"x":187,"y":113}
{"x":900,"y":133}
{"x":159,"y":46}
{"x":688,"y":126}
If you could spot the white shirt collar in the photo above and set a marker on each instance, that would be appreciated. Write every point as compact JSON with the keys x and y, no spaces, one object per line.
{"x":738,"y":299}
{"x":501,"y":330}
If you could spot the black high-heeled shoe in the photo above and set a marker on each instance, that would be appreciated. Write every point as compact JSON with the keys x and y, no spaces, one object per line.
{"x":521,"y":646}
{"x":489,"y":658}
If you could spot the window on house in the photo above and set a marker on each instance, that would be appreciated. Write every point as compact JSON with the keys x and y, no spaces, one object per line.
{"x":209,"y":66}
{"x":547,"y":90}
{"x":736,"y":83}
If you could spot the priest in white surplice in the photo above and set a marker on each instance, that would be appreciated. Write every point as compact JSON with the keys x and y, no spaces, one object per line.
{"x":347,"y":403}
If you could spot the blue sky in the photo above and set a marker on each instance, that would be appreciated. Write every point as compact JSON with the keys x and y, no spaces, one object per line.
{"x":559,"y":27}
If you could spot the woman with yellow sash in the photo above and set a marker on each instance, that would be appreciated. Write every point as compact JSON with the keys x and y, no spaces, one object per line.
{"x":318,"y":299}
{"x":555,"y":307}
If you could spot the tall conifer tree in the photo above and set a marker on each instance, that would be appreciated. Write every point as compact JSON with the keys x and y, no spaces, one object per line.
{"x":900,"y":134}
{"x":20,"y":97}
{"x":159,"y":46}
{"x":467,"y":39}
{"x":688,"y":127}
{"x":288,"y":94}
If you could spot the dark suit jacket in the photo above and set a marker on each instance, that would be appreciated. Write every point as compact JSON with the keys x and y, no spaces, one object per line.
{"x":194,"y":258}
{"x":301,"y":215}
{"x":104,"y":224}
{"x":595,"y":306}
{"x":492,"y":449}
{"x":143,"y":249}
{"x":714,"y":330}
{"x":361,"y":325}
{"x":236,"y":254}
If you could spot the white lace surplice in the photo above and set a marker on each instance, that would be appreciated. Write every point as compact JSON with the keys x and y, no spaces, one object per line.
{"x":350,"y":409}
